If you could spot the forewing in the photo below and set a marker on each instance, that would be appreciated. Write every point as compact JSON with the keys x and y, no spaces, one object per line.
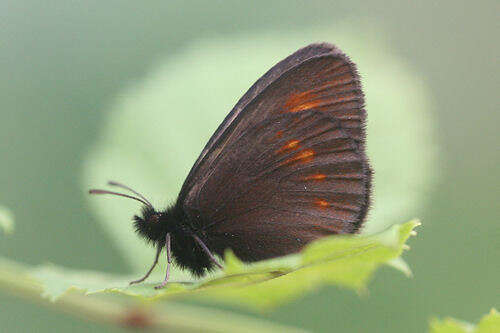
{"x":287,"y":165}
{"x":318,"y":76}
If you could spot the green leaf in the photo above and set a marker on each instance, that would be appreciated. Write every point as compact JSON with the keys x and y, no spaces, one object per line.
{"x":6,"y":220}
{"x":158,"y":126}
{"x":450,"y":325}
{"x":17,"y":280}
{"x":346,"y":261}
{"x":490,"y":323}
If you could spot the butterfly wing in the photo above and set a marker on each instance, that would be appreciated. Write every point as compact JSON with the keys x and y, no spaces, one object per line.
{"x":289,"y":166}
{"x":287,"y":181}
{"x":222,"y":134}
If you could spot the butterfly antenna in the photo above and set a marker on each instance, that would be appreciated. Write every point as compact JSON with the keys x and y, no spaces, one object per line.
{"x":113,"y":183}
{"x":94,"y":191}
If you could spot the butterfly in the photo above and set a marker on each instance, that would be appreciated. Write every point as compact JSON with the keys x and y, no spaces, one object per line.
{"x":286,"y":166}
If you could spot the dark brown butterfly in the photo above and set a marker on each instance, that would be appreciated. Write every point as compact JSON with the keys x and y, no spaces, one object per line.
{"x":287,"y":166}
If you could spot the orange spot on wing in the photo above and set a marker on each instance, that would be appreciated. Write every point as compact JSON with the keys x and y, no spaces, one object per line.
{"x":300,"y":101}
{"x":303,"y":156}
{"x":317,"y":176}
{"x":290,"y":145}
{"x":322,"y":203}
{"x":321,"y":95}
{"x":305,"y":106}
{"x":279,"y":134}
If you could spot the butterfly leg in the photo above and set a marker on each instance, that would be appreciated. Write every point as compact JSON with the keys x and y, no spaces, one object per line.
{"x":158,"y":250}
{"x":169,"y":261}
{"x":207,"y":251}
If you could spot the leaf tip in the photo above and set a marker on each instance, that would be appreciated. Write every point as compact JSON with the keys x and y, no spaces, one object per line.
{"x":401,"y":265}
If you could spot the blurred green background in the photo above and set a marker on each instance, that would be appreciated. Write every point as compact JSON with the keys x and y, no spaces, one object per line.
{"x":63,"y":64}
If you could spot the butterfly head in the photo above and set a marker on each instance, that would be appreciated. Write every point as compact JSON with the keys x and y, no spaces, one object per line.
{"x":150,"y":224}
